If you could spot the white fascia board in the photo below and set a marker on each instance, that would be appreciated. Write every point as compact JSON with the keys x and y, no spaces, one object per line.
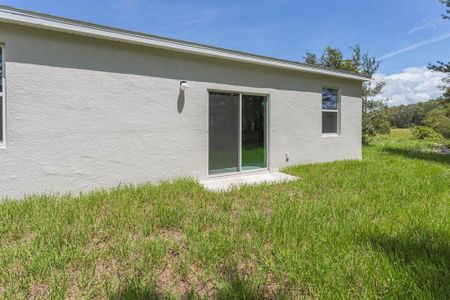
{"x":28,"y":18}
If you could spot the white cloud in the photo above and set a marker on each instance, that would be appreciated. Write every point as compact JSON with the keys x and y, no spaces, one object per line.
{"x":411,"y":85}
{"x":431,"y":21}
{"x":416,"y":45}
{"x":417,"y":28}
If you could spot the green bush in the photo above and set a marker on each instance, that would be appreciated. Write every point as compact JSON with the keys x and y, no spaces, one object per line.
{"x":374,"y":123}
{"x":426,"y":133}
{"x":439,"y":120}
{"x":367,"y":138}
{"x":382,"y":126}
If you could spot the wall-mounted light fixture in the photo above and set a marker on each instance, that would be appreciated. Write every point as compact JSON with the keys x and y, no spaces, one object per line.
{"x":184,"y":85}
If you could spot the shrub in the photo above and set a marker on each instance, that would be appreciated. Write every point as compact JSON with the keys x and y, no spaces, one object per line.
{"x":439,"y":120}
{"x":374,"y":123}
{"x":426,"y":133}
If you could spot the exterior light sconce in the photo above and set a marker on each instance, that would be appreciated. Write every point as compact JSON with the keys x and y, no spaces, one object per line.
{"x":183,"y":85}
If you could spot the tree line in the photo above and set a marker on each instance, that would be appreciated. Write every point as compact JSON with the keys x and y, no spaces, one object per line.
{"x":433,"y":113}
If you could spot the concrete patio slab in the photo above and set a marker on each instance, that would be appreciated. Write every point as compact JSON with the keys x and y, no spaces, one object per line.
{"x":225,"y":183}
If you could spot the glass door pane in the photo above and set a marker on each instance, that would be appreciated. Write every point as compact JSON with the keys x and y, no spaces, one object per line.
{"x":223,"y":133}
{"x":254,"y":149}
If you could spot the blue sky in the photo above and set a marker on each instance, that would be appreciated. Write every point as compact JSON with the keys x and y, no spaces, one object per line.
{"x":407,"y":34}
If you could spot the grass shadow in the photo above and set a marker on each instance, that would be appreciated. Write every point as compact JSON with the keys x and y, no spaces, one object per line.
{"x":418,"y":154}
{"x":238,"y":287}
{"x":425,"y":259}
{"x":135,"y":290}
{"x":235,"y":286}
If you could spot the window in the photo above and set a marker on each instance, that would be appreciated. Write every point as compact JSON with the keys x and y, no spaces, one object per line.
{"x":2,"y":98}
{"x":330,"y":110}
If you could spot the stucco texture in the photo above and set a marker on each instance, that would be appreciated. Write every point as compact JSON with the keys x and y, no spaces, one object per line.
{"x":85,"y":113}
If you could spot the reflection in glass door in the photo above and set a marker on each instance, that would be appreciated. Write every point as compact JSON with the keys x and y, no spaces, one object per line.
{"x":237,"y":133}
{"x":254,"y":154}
{"x":223,"y":133}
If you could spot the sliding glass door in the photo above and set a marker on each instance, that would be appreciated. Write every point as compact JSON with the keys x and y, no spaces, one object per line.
{"x":237,"y":133}
{"x":253,"y":132}
{"x":223,"y":133}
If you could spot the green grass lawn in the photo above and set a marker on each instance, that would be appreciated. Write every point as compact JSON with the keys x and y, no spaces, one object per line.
{"x":376,"y":228}
{"x":402,"y":133}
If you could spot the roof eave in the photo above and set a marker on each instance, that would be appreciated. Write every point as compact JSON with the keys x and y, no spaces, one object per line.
{"x":28,"y":18}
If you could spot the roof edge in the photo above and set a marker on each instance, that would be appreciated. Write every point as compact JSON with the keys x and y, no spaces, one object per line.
{"x":29,"y":18}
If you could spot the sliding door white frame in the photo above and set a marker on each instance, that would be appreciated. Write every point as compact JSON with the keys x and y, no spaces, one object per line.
{"x":266,"y":133}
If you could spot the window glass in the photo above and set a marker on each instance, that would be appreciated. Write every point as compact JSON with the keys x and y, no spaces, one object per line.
{"x":223,"y":133}
{"x":330,"y":110}
{"x":329,"y":98}
{"x":1,"y":95}
{"x":1,"y":69}
{"x":329,"y":122}
{"x":253,"y":132}
{"x":1,"y":118}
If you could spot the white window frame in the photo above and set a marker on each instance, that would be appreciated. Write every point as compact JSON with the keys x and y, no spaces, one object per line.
{"x":337,"y":111}
{"x":3,"y":99}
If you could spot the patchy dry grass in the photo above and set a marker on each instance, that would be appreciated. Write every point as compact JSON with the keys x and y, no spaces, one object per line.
{"x":365,"y":229}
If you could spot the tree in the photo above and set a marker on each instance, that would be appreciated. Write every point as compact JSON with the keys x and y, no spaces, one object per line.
{"x":439,"y":120}
{"x":310,"y":58}
{"x":402,"y":116}
{"x":374,"y":117}
{"x":441,"y":66}
{"x":446,"y":15}
{"x":434,"y":114}
{"x":444,"y":68}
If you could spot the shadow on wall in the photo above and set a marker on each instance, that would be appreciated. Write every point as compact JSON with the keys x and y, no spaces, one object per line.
{"x":41,"y":47}
{"x":181,"y":101}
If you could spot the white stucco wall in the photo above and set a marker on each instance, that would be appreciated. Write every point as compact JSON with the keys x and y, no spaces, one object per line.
{"x":86,"y":113}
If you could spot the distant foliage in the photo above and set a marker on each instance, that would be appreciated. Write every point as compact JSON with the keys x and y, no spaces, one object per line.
{"x":439,"y":120}
{"x":433,"y":113}
{"x":426,"y":133}
{"x":374,"y":117}
{"x":441,"y":66}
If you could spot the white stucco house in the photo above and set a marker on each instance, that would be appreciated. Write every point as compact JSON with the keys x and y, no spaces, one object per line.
{"x":85,"y":106}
